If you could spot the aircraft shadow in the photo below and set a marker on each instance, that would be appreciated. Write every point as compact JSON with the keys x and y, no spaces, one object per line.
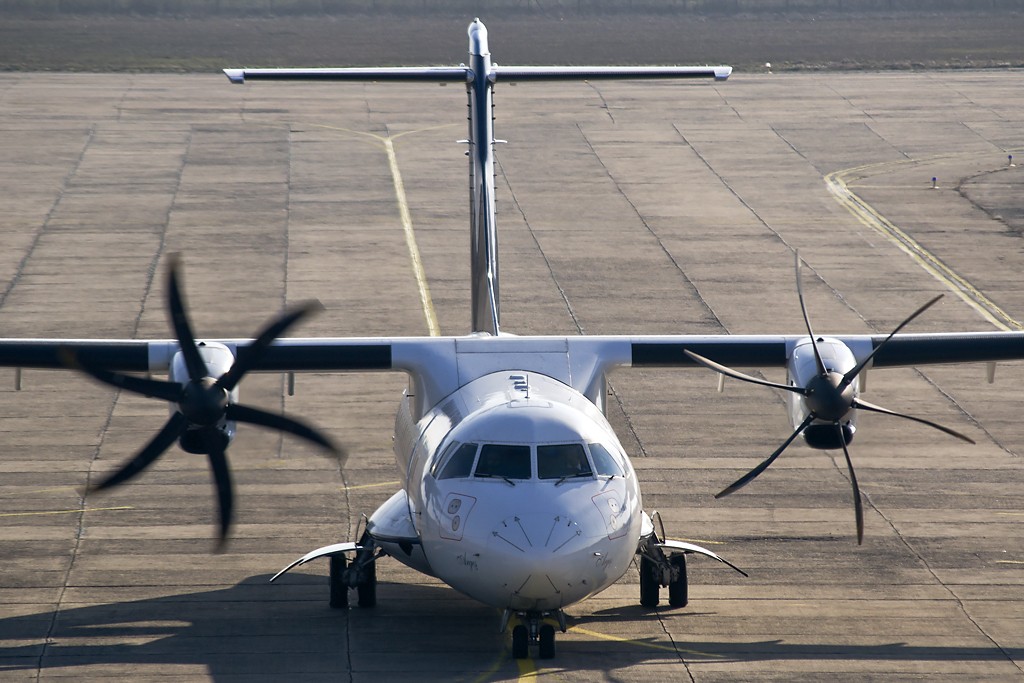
{"x":255,"y":630}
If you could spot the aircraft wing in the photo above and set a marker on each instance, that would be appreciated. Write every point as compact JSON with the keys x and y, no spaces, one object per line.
{"x":343,"y":354}
{"x":767,"y":351}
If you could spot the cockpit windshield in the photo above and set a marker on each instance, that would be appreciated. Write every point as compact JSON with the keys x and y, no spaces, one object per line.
{"x":504,"y":461}
{"x":516,"y":461}
{"x":562,"y":460}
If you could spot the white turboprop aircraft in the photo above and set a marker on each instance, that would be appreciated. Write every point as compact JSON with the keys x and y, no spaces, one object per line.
{"x":516,"y":491}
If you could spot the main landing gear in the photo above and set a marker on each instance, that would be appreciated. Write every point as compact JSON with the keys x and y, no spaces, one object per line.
{"x":664,"y":571}
{"x":533,"y":629}
{"x":658,"y":570}
{"x":361,"y":574}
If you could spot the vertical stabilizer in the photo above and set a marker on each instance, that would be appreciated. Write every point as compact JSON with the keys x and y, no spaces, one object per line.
{"x":483,"y":233}
{"x":480,"y":76}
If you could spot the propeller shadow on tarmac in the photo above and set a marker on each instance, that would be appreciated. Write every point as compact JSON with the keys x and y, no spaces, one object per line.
{"x":417,"y":632}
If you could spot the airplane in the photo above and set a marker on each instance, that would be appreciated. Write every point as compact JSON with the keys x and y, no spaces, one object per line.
{"x":515,"y":490}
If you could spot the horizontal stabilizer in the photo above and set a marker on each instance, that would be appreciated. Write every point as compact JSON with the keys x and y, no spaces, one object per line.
{"x":457,"y":74}
{"x":462,"y":74}
{"x":595,"y":73}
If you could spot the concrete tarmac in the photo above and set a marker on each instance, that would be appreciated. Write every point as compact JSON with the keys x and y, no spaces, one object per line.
{"x":623,"y":208}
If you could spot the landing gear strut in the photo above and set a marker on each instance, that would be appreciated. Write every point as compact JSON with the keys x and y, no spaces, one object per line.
{"x":532,"y":629}
{"x":361,"y":574}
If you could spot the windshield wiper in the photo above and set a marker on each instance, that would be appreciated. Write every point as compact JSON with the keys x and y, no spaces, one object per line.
{"x":577,"y":475}
{"x":484,"y":475}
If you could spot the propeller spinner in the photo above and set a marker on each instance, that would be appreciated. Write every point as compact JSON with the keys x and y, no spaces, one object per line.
{"x":829,"y":397}
{"x":203,"y":403}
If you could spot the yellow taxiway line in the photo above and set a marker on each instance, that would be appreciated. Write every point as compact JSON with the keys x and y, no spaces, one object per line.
{"x":62,"y":512}
{"x":866,"y":214}
{"x":387,"y":141}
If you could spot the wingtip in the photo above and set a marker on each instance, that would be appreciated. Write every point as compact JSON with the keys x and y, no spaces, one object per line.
{"x":235,"y":75}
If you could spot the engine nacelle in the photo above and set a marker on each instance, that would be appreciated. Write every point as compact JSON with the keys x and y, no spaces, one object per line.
{"x":201,"y":439}
{"x":802,"y":371}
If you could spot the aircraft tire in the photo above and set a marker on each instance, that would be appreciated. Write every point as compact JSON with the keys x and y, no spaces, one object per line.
{"x":547,"y":642}
{"x":678,"y":590}
{"x":520,"y":642}
{"x":339,"y":589}
{"x":367,"y":588}
{"x":649,"y":584}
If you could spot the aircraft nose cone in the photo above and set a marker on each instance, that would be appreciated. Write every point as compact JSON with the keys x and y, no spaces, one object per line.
{"x":553,"y":533}
{"x":538,"y":559}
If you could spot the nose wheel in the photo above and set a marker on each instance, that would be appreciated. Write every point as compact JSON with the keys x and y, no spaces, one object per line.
{"x":533,"y":630}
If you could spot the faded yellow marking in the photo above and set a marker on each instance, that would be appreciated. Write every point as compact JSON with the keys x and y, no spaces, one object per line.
{"x":489,"y":674}
{"x":410,"y":241}
{"x":387,"y":142}
{"x":403,"y":211}
{"x":370,"y":486}
{"x":869,"y":217}
{"x":701,"y":541}
{"x":63,"y":512}
{"x":650,"y":646}
{"x":527,"y":669}
{"x":30,"y":493}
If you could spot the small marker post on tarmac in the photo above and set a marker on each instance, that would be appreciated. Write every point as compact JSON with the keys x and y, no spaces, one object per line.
{"x":1009,"y":160}
{"x":935,"y":183}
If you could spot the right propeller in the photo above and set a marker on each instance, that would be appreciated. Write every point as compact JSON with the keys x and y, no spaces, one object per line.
{"x":829,"y":399}
{"x":202,"y":389}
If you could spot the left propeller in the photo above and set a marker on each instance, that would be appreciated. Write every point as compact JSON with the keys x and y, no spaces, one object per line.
{"x":829,"y":396}
{"x":204,"y":404}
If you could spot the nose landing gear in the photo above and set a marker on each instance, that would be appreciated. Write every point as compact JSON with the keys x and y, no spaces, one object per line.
{"x":532,"y":629}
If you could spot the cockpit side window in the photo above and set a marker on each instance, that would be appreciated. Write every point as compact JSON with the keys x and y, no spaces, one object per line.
{"x":505,"y":461}
{"x":604,"y":462}
{"x":441,"y":458}
{"x":562,"y":460}
{"x":461,"y":463}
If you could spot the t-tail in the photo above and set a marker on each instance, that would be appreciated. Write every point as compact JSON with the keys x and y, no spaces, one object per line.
{"x":480,"y":76}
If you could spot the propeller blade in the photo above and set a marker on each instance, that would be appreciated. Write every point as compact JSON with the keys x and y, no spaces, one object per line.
{"x":753,"y":474}
{"x":858,"y":506}
{"x":849,"y":376}
{"x":807,"y":320}
{"x":174,"y":428}
{"x":729,"y":372}
{"x":251,"y":354}
{"x":152,"y":388}
{"x":290,"y":425}
{"x":861,"y":403}
{"x":179,"y":321}
{"x":225,"y":494}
